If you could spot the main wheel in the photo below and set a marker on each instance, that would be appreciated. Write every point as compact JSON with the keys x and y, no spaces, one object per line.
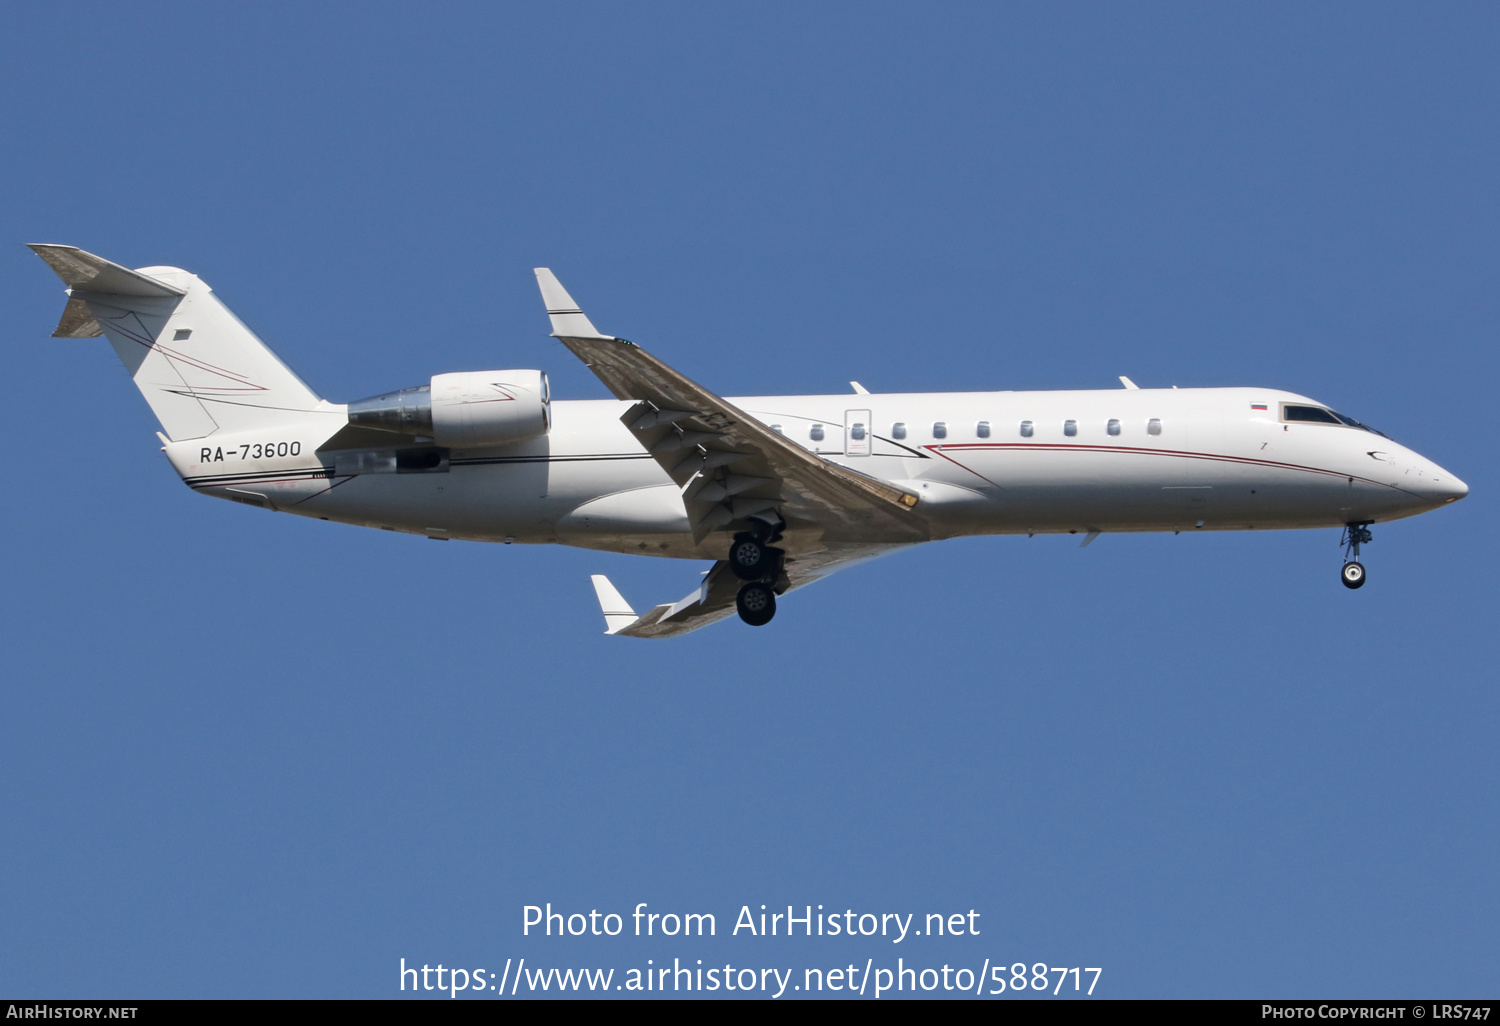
{"x":750,"y":559}
{"x":756,"y":603}
{"x":1354,"y":574}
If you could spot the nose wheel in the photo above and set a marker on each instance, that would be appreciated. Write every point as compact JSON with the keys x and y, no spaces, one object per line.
{"x":1355,"y":535}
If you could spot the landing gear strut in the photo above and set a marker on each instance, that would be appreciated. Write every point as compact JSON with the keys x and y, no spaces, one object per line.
{"x":1355,"y":535}
{"x":754,"y":561}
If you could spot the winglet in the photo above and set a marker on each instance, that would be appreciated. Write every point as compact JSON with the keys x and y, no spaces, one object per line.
{"x":1128,"y":383}
{"x":617,"y":612}
{"x":567,"y":319}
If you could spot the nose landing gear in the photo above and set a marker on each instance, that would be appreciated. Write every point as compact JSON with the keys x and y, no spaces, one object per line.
{"x":1355,"y":535}
{"x":754,"y":561}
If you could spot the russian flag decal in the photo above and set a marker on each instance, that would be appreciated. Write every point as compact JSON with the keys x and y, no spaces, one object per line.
{"x":1257,"y":406}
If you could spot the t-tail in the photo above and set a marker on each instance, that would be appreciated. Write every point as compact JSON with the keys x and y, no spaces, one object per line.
{"x":201,"y":370}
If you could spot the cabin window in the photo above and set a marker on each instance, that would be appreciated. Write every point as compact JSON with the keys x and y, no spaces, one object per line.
{"x":1307,"y":414}
{"x":982,"y":429}
{"x":940,"y":430}
{"x":898,"y":430}
{"x":1026,"y":429}
{"x":857,"y":432}
{"x":1153,"y":426}
{"x":1113,"y":427}
{"x":1070,"y":428}
{"x":816,"y":434}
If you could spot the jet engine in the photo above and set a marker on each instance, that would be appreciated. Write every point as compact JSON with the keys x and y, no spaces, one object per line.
{"x":464,"y":411}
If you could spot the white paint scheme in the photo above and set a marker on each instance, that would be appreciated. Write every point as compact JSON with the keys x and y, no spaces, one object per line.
{"x":239,"y":425}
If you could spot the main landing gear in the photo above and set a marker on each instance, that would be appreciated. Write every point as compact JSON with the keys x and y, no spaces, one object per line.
{"x":1355,"y":535}
{"x":756,"y":603}
{"x":754,"y":561}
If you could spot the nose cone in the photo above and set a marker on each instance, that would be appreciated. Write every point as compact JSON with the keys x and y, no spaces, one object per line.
{"x":1442,"y":486}
{"x":1451,"y":488}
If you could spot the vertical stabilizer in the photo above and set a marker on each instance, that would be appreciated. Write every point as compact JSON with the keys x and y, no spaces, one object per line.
{"x":200,"y":369}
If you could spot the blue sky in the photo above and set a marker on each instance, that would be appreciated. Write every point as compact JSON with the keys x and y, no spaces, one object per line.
{"x":244,"y":754}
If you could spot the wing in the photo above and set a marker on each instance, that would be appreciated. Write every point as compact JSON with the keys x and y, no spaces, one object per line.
{"x":709,"y":603}
{"x":731,"y":466}
{"x":713,"y":599}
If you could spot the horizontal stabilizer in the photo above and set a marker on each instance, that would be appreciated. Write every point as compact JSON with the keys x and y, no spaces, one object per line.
{"x":78,"y":321}
{"x":90,"y":273}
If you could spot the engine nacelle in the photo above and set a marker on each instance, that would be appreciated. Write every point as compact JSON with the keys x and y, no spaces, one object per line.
{"x":467,"y":410}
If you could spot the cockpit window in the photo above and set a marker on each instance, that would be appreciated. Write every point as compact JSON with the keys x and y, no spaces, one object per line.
{"x":1318,"y":415}
{"x":1354,"y":423}
{"x":1308,"y":414}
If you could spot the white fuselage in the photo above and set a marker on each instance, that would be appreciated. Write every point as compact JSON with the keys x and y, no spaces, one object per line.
{"x":1179,"y":459}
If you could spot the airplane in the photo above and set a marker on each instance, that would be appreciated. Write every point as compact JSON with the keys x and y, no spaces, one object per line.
{"x":778,"y":491}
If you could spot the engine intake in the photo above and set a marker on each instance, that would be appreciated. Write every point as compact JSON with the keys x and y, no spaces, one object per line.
{"x":465,"y":410}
